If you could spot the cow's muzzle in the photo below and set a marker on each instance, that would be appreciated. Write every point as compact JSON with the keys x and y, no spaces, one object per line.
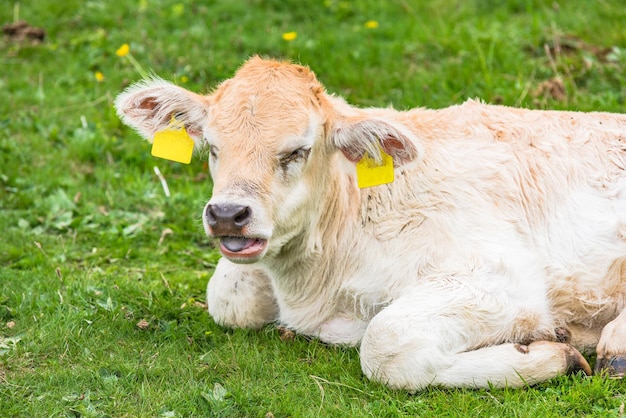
{"x":227,"y":222}
{"x":228,"y":218}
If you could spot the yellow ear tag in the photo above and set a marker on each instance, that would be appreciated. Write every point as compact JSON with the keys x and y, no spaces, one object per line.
{"x":369,"y":173}
{"x":173,"y":143}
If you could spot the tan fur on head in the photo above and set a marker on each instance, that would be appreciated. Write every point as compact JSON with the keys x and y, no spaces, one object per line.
{"x":149,"y":105}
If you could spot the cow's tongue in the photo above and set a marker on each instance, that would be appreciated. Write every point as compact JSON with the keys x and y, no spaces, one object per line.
{"x":236,"y":244}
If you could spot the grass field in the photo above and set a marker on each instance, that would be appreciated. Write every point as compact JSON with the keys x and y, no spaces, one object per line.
{"x":102,"y":277}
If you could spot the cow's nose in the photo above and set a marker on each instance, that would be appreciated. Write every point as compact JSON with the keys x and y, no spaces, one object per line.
{"x":228,"y":215}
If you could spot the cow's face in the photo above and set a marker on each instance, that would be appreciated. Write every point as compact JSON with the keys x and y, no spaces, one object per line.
{"x":265,"y":131}
{"x":274,"y":138}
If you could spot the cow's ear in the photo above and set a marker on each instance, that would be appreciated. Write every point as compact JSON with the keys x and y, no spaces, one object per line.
{"x":148,"y":107}
{"x":355,"y":138}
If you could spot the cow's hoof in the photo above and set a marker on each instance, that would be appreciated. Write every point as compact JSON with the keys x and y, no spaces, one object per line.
{"x":576,"y":362}
{"x":614,"y":367}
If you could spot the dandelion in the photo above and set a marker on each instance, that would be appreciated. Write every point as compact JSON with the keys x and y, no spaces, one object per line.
{"x":123,"y":50}
{"x":289,"y":36}
{"x":184,"y":79}
{"x":99,"y":76}
{"x":371,"y":24}
{"x":178,"y":9}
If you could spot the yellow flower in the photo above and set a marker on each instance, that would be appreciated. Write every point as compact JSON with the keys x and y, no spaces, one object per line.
{"x":99,"y":76}
{"x":289,"y":36}
{"x":184,"y":79}
{"x":123,"y":50}
{"x":178,"y":9}
{"x":371,"y":24}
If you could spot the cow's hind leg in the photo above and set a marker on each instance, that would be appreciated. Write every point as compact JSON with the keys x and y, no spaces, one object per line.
{"x":611,"y":348}
{"x":241,"y":296}
{"x":414,"y":343}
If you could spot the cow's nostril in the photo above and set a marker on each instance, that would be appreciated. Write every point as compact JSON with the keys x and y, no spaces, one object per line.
{"x":210,"y":216}
{"x":243,"y":217}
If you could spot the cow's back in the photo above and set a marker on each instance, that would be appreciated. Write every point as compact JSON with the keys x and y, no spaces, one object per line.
{"x":554,"y":182}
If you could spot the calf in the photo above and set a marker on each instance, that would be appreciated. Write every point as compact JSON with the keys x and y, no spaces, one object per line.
{"x":495,"y":256}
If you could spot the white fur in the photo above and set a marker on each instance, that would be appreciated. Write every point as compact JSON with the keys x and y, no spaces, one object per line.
{"x":502,"y":225}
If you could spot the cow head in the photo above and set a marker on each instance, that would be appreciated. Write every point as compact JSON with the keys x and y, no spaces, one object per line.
{"x":274,"y":138}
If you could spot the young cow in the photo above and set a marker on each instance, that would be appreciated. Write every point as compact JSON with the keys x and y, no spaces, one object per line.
{"x":496,"y":255}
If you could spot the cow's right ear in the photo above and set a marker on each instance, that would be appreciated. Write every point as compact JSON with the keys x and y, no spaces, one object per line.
{"x":356,"y":136}
{"x":148,"y":107}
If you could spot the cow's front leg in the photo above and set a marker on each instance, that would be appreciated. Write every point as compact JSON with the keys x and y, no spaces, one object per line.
{"x":241,"y":296}
{"x":342,"y":330}
{"x":611,"y":348}
{"x":456,"y":337}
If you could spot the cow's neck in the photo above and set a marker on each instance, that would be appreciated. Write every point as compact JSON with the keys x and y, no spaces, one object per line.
{"x":308,"y":261}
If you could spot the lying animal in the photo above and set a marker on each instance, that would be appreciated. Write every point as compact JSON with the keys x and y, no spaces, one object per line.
{"x":495,"y":256}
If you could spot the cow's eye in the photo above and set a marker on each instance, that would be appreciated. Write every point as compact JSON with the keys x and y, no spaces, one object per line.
{"x":213,"y":151}
{"x":298,"y":154}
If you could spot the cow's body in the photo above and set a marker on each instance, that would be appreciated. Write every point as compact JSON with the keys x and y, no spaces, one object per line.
{"x":499,"y":249}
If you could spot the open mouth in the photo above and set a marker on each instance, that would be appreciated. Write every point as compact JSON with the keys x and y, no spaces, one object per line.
{"x":241,"y":248}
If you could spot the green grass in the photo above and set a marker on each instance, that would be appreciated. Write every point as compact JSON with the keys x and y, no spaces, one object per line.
{"x":102,"y":277}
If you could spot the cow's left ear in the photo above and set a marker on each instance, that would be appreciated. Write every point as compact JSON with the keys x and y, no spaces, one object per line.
{"x":149,"y":106}
{"x":356,"y":137}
